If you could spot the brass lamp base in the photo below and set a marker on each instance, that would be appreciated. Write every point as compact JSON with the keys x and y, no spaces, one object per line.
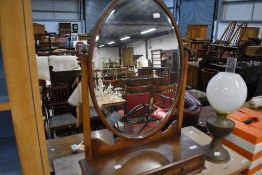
{"x":219,"y":127}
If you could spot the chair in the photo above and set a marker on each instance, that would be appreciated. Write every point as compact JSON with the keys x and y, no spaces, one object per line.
{"x":139,"y":81}
{"x":139,"y":89}
{"x":164,"y":95}
{"x":137,"y":95}
{"x":192,"y":109}
{"x":227,"y":34}
{"x":214,"y":48}
{"x":258,"y":90}
{"x":137,"y":107}
{"x":206,"y":75}
{"x":55,"y":100}
{"x":65,"y":77}
{"x":234,"y":41}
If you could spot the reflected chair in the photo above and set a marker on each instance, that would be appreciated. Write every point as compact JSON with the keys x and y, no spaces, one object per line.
{"x":139,"y":81}
{"x":192,"y":109}
{"x":163,"y":96}
{"x":136,"y":113}
{"x":58,"y":111}
{"x":136,"y":96}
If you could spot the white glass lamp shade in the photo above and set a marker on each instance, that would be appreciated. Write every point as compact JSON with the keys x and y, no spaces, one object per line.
{"x":226,"y":92}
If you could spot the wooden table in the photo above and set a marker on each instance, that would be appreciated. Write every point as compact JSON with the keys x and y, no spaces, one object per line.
{"x":69,"y":165}
{"x":61,"y":147}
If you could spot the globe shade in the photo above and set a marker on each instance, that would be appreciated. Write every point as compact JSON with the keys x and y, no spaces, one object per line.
{"x":226,"y":92}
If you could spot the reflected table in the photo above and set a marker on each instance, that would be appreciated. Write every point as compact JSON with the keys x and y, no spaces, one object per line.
{"x":110,"y":101}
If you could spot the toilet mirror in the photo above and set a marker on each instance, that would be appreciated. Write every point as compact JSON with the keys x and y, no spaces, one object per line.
{"x":134,"y":67}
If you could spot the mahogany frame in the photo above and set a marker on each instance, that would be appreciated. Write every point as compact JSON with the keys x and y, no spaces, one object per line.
{"x":127,"y":140}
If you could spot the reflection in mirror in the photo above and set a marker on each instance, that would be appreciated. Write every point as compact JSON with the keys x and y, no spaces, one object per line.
{"x":136,"y":66}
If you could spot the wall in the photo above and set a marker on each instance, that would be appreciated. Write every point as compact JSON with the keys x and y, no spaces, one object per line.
{"x":196,"y":12}
{"x":102,"y":54}
{"x":162,"y":42}
{"x":139,"y":48}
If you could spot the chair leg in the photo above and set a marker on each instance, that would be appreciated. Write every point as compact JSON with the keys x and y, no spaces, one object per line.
{"x":52,"y":134}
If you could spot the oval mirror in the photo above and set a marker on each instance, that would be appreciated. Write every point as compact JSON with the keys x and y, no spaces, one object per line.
{"x":135,"y":67}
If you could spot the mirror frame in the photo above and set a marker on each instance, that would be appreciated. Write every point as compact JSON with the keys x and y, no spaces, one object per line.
{"x":92,"y":46}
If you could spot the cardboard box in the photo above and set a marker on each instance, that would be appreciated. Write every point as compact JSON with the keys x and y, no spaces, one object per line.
{"x":246,"y":139}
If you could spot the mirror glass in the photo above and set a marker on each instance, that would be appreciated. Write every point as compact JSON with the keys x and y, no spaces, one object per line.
{"x":136,"y":66}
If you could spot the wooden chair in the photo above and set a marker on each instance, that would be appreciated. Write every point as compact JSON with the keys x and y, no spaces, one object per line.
{"x":138,"y":89}
{"x":227,"y":34}
{"x":137,"y":108}
{"x":55,"y":100}
{"x":66,"y":77}
{"x":139,"y":81}
{"x":206,"y":75}
{"x":192,"y":109}
{"x":164,"y":95}
{"x":235,"y":41}
{"x":214,"y":48}
{"x":258,"y":90}
{"x":238,"y":34}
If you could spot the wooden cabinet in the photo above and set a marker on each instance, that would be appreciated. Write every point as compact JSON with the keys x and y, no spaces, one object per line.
{"x":251,"y":32}
{"x":196,"y":31}
{"x":64,"y":29}
{"x":22,"y":140}
{"x":127,"y":56}
{"x":39,"y":28}
{"x":193,"y":73}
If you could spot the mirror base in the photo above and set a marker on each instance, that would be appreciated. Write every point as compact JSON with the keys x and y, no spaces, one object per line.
{"x":164,"y":153}
{"x":166,"y":156}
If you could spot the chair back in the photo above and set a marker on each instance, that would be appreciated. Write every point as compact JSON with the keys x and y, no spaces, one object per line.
{"x":226,"y":36}
{"x":55,"y":98}
{"x":238,"y":34}
{"x":65,"y":77}
{"x":139,"y":81}
{"x":134,"y":100}
{"x":206,"y":75}
{"x":138,"y":89}
{"x":192,"y":109}
{"x":258,"y":90}
{"x":164,"y":95}
{"x":137,"y":96}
